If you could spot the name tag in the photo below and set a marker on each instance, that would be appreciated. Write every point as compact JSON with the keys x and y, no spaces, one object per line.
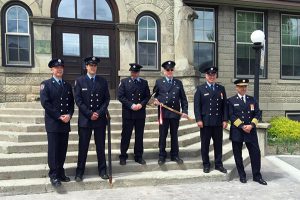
{"x":236,"y":105}
{"x":84,"y":89}
{"x":206,"y":94}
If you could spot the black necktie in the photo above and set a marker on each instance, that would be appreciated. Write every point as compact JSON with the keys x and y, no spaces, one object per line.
{"x":92,"y":80}
{"x":243,"y":99}
{"x":212,"y":87}
{"x":170,"y":81}
{"x":60,"y":83}
{"x":135,"y":81}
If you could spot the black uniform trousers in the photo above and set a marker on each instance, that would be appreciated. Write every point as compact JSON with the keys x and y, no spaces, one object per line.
{"x":216,"y":133}
{"x":84,"y":141}
{"x":254,"y":153}
{"x":127,"y":127}
{"x":57,"y":150}
{"x":163,"y":133}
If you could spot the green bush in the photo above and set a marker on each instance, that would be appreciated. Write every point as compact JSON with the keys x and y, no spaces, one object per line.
{"x":284,"y":130}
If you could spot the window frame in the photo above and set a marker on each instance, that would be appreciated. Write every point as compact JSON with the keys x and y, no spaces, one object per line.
{"x":281,"y":46}
{"x":215,"y":42}
{"x":157,"y":42}
{"x":265,"y":28}
{"x":4,"y":34}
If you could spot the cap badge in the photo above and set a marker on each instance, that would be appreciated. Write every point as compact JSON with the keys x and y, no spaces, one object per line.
{"x":59,"y":60}
{"x":93,"y":58}
{"x":169,"y":63}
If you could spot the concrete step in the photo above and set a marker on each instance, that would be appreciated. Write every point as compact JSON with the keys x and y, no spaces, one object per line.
{"x":39,"y":119}
{"x":37,"y":104}
{"x":13,"y":127}
{"x":41,"y":170}
{"x":36,"y":158}
{"x":73,"y":136}
{"x":40,"y":111}
{"x":132,"y":179}
{"x":29,"y":147}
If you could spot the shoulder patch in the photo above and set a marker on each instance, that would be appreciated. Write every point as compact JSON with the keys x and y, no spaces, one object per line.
{"x":42,"y":86}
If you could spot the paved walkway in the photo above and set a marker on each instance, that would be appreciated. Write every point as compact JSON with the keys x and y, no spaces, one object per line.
{"x":281,"y":172}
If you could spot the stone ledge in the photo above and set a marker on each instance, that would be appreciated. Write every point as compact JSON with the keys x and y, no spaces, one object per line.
{"x":42,"y":21}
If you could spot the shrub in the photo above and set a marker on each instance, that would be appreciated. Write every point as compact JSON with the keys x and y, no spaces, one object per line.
{"x":284,"y":130}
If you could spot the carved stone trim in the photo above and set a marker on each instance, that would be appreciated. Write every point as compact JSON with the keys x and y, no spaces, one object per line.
{"x":45,"y":21}
{"x":127,"y":27}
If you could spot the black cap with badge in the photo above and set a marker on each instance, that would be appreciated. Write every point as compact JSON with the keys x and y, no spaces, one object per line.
{"x":56,"y":62}
{"x":93,"y":60}
{"x":241,"y":82}
{"x":168,"y":64}
{"x":135,"y":67}
{"x":210,"y":70}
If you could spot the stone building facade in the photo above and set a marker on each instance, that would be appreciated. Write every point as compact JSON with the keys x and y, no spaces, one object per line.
{"x":151,"y":32}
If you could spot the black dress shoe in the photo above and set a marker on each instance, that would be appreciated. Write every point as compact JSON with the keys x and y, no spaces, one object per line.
{"x":64,"y":178}
{"x":78,"y":178}
{"x":221,"y":169}
{"x":55,"y":182}
{"x":122,"y":162}
{"x":140,"y":161}
{"x":161,"y":161}
{"x":206,"y":169}
{"x":260,"y":181}
{"x":243,"y":180}
{"x":178,"y":160}
{"x":104,"y":176}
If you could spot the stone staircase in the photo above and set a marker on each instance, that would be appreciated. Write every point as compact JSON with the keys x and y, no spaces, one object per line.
{"x":23,"y":154}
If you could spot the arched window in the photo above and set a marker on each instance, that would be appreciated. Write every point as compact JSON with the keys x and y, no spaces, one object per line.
{"x":147,"y":42}
{"x":85,"y":9}
{"x":17,"y":36}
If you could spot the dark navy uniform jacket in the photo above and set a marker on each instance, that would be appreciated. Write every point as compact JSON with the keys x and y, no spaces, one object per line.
{"x":91,"y":97}
{"x":210,"y":106}
{"x":172,"y":95}
{"x":241,"y":114}
{"x":133,"y":93}
{"x":57,"y":101}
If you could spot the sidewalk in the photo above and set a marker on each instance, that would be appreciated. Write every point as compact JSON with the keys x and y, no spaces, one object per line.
{"x":281,"y":172}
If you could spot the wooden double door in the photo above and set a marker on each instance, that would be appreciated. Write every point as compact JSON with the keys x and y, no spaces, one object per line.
{"x":74,"y":41}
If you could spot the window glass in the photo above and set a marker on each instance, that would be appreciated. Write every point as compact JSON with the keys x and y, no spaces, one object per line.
{"x":246,"y":23}
{"x":71,"y":44}
{"x":147,"y":42}
{"x":204,"y":38}
{"x":17,"y":48}
{"x":290,"y":46}
{"x":66,"y":9}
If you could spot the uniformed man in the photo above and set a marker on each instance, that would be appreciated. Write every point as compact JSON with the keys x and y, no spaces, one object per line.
{"x":92,"y":98}
{"x":134,"y":94}
{"x":210,"y":110}
{"x":170,"y":92}
{"x":244,"y":114}
{"x":57,"y":99}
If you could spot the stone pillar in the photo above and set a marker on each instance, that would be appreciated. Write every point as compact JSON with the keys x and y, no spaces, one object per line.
{"x":262,"y":137}
{"x":127,"y":47}
{"x":183,"y":38}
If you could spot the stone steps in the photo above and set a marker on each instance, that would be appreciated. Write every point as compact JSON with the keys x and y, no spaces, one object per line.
{"x":23,"y":127}
{"x":128,"y":179}
{"x":73,"y":136}
{"x":23,"y":154}
{"x":14,"y":159}
{"x":38,"y":119}
{"x":41,"y":170}
{"x":37,"y":147}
